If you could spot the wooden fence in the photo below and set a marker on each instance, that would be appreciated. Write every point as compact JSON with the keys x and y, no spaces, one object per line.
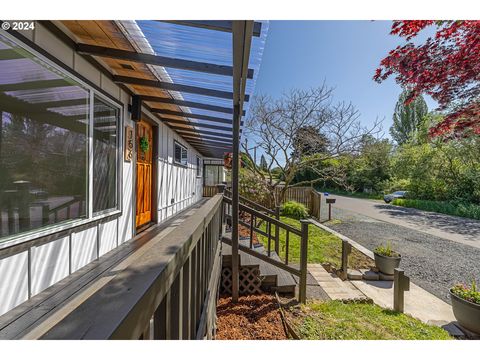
{"x":307,"y":196}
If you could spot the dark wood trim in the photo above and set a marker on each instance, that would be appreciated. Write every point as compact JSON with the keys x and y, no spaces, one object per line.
{"x":113,"y":53}
{"x":217,"y":25}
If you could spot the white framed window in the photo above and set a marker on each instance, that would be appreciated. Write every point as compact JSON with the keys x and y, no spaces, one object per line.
{"x":180,"y":154}
{"x":60,"y":151}
{"x":199,"y":166}
{"x":105,"y":155}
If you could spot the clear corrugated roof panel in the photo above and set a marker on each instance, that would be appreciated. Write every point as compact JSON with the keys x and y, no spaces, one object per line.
{"x":201,"y":45}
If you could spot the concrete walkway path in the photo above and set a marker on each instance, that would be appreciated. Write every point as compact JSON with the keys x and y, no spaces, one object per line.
{"x":418,"y":302}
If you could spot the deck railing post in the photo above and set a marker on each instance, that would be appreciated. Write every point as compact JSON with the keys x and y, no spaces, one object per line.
{"x":221,"y":188}
{"x":346,"y":250}
{"x":319,"y":197}
{"x":277,"y":231}
{"x":302,"y":291}
{"x":252,"y":222}
{"x":401,"y":283}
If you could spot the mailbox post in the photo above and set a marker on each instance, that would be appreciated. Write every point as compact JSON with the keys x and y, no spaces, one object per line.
{"x":330,"y":201}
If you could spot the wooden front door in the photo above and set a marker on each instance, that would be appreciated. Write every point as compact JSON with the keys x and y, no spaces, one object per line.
{"x":144,"y":173}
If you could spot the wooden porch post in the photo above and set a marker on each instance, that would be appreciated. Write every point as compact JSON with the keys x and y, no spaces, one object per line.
{"x":235,"y":202}
{"x":242,"y":32}
{"x":302,"y":291}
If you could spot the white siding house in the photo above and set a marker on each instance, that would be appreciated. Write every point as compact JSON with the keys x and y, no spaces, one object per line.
{"x":33,"y":260}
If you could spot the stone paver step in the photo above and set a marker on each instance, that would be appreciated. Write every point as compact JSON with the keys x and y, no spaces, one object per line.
{"x":335,"y":288}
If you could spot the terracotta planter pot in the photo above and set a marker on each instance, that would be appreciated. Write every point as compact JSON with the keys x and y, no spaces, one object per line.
{"x":386,"y":264}
{"x":466,"y":313}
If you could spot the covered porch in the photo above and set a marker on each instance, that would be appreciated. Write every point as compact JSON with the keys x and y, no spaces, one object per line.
{"x":159,"y":276}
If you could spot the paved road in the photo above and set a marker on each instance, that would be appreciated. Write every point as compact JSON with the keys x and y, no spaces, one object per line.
{"x":433,"y":255}
{"x":462,"y":230}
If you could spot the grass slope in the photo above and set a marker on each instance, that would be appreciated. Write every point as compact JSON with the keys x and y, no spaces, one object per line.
{"x":322,"y":246}
{"x":334,"y":320}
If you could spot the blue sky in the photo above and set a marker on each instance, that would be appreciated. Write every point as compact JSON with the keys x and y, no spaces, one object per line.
{"x":345,"y":54}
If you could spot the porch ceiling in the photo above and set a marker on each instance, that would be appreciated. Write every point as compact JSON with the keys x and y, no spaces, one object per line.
{"x":182,"y":70}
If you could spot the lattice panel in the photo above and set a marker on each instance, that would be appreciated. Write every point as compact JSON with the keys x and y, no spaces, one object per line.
{"x":226,"y":283}
{"x":250,"y":281}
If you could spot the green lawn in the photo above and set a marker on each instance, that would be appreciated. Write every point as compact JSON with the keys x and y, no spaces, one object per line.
{"x":467,"y":210}
{"x":334,"y":320}
{"x":322,"y":246}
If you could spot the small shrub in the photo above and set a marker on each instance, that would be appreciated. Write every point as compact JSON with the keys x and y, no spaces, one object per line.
{"x":294,"y":209}
{"x":386,"y":250}
{"x":464,"y":292}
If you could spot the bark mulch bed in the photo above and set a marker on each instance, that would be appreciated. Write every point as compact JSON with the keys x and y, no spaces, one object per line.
{"x":254,"y":317}
{"x":243,"y":232}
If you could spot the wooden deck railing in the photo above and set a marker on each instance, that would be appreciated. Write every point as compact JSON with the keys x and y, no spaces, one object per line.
{"x":168,"y":292}
{"x":277,"y":225}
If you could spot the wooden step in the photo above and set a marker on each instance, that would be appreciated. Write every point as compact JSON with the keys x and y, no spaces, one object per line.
{"x":274,"y":278}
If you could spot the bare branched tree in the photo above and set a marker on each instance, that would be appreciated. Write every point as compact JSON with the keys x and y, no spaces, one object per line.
{"x":273,"y":126}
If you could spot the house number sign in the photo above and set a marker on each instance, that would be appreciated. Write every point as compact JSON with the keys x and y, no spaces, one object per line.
{"x":128,"y":143}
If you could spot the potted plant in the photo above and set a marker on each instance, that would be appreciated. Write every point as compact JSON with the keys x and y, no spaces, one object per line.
{"x":386,"y":259}
{"x":466,"y":306}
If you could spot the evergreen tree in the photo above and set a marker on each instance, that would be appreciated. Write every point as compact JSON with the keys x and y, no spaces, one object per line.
{"x":407,"y":119}
{"x":263,"y":163}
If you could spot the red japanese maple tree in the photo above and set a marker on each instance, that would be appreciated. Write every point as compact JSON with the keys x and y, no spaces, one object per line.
{"x":446,"y":66}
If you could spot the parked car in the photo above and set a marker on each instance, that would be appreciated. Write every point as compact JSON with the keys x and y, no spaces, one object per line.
{"x":396,"y":195}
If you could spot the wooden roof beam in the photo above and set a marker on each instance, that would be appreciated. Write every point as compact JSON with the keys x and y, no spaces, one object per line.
{"x":190,"y":104}
{"x":218,"y":25}
{"x":201,"y":125}
{"x":119,"y":54}
{"x":209,"y":144}
{"x":174,"y":87}
{"x":192,"y":116}
{"x":202,"y":139}
{"x":205,"y":137}
{"x":181,"y":130}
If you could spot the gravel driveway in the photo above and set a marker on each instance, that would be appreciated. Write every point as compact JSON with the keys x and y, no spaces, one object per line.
{"x":432,"y":262}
